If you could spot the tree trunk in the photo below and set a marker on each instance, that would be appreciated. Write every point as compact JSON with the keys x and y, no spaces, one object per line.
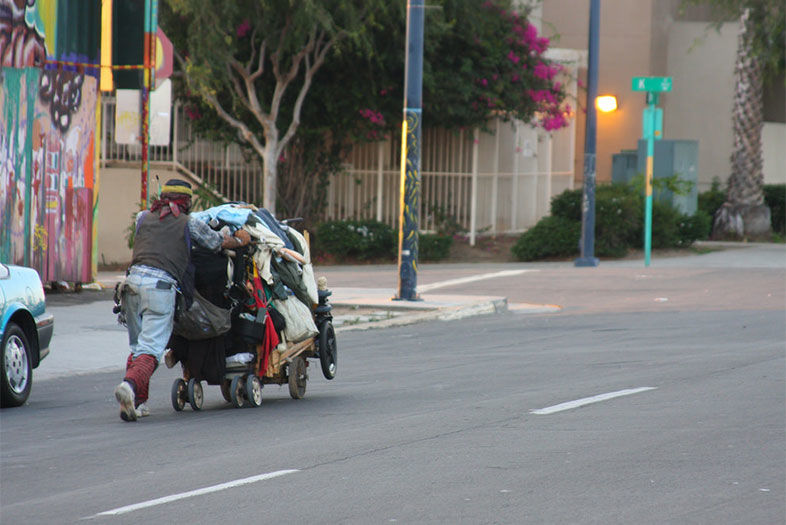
{"x":270,"y":169}
{"x":744,"y":214}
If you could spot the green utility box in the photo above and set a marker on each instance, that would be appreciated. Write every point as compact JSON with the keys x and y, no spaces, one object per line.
{"x":624,"y":166}
{"x":670,"y":157}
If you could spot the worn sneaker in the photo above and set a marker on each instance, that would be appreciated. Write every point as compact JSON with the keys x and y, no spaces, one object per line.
{"x":169,"y":359}
{"x":125,"y":396}
{"x":142,"y":410}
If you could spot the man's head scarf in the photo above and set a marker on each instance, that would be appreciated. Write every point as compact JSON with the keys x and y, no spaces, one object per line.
{"x":175,"y":198}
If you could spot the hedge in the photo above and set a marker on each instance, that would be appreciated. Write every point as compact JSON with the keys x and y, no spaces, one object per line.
{"x":775,"y":197}
{"x":551,"y":237}
{"x":362,"y":240}
{"x":434,"y":247}
{"x":619,"y":225}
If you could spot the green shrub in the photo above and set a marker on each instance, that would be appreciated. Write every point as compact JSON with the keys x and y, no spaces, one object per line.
{"x":434,"y":247}
{"x":618,"y":216}
{"x":709,"y":201}
{"x":694,"y":227}
{"x":567,"y":205}
{"x":673,"y":183}
{"x":552,"y":236}
{"x":363,"y":240}
{"x":665,"y":225}
{"x":618,"y":219}
{"x":775,"y":198}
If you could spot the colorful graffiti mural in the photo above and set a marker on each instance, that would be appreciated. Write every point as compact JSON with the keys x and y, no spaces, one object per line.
{"x":47,"y":144}
{"x":21,"y":44}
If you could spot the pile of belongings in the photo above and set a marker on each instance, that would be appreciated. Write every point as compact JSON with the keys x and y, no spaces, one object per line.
{"x":279,"y":279}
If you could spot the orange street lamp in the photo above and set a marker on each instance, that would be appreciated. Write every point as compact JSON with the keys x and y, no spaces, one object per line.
{"x":606,"y":103}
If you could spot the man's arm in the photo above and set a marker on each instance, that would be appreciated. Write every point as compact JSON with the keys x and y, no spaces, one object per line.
{"x":205,"y":236}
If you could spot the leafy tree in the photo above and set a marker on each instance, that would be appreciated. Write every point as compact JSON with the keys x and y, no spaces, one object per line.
{"x":760,"y":54}
{"x":480,"y":60}
{"x":253,"y":62}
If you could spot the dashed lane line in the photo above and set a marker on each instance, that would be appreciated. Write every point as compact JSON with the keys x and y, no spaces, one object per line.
{"x":471,"y":279}
{"x":568,"y":405}
{"x":192,"y":493}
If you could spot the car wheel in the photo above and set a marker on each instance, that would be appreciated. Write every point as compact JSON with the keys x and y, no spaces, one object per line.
{"x":16,"y":378}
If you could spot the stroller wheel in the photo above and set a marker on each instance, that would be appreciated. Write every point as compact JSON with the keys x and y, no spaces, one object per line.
{"x":225,"y":386}
{"x":178,"y":394}
{"x":297,"y":378}
{"x":236,"y":392}
{"x":328,"y":350}
{"x":254,"y":390}
{"x":195,"y":396}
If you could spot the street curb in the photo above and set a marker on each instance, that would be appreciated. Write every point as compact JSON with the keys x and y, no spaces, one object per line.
{"x":529,"y":308}
{"x":452,"y":313}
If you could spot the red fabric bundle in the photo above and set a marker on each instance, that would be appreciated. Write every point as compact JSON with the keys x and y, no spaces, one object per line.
{"x":270,"y":339}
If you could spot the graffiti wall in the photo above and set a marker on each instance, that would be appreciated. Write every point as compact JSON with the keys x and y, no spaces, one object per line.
{"x":47,"y":149}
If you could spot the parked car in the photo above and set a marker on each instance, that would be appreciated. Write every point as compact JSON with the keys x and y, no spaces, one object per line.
{"x":25,"y":331}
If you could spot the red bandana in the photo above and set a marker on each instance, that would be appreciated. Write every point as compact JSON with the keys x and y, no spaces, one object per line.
{"x":174,"y":204}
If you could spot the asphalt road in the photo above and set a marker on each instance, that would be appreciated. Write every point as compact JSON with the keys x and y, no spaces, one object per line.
{"x":434,"y":423}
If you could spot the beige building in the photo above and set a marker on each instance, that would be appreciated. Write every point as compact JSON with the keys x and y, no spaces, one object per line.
{"x":653,"y":38}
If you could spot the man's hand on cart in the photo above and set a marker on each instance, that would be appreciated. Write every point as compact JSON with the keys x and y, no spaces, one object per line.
{"x":239,"y":238}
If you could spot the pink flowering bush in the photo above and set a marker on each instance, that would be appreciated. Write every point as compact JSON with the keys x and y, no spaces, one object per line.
{"x":490,"y":61}
{"x":481,"y":59}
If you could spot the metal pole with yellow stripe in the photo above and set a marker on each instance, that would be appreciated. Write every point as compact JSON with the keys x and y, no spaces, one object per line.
{"x":410,"y":155}
{"x":651,"y":130}
{"x":648,"y":124}
{"x":151,"y":26}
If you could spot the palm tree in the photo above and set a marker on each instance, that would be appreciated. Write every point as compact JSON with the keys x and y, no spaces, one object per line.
{"x":744,"y":214}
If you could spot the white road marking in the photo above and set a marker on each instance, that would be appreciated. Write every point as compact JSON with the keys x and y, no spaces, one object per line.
{"x":192,"y":493}
{"x":589,"y":400}
{"x":471,"y":279}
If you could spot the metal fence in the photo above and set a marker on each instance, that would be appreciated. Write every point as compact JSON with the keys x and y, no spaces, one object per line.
{"x":496,"y":182}
{"x":500,"y":181}
{"x":223,"y":168}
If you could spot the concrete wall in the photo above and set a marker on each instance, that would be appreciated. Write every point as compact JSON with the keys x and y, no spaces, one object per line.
{"x":625,"y":52}
{"x":118,"y":203}
{"x":701,"y":63}
{"x":773,"y":143}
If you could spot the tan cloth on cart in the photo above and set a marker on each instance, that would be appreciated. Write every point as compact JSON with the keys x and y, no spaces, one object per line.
{"x":300,"y":322}
{"x":308,"y":270}
{"x":268,"y":243}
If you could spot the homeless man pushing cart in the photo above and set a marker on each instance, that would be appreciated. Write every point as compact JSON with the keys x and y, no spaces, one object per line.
{"x":160,"y":265}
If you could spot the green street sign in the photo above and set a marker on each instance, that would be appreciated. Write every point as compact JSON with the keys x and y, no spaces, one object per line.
{"x":651,"y":84}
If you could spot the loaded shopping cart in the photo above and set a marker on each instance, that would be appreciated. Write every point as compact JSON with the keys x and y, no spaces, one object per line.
{"x":258,"y":314}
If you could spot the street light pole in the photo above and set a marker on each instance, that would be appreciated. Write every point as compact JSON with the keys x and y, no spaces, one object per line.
{"x":410,"y":155}
{"x":588,"y":201}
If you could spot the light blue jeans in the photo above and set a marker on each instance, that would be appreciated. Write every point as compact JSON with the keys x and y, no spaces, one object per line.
{"x":149,"y":311}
